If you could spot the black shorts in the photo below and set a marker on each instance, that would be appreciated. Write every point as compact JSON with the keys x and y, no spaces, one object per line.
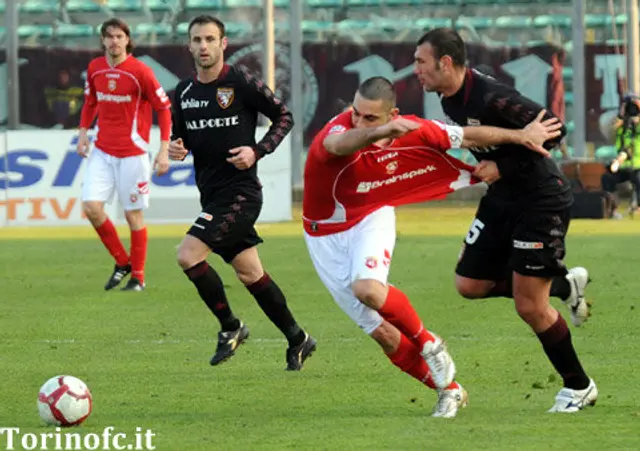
{"x":505,"y":238}
{"x":226,"y":224}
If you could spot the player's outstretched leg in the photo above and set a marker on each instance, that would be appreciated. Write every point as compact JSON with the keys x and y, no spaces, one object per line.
{"x":109,"y":237}
{"x":404,"y":354}
{"x":192,"y":255}
{"x":397,"y":309}
{"x":532,"y":303}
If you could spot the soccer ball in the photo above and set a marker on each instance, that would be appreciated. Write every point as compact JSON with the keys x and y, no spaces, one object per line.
{"x":64,"y":401}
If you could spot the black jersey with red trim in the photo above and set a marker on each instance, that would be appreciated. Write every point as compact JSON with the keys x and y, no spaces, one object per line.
{"x":525,"y":176}
{"x":213,"y":118}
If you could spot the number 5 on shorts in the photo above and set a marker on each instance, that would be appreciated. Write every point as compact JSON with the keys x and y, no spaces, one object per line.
{"x":474,"y":231}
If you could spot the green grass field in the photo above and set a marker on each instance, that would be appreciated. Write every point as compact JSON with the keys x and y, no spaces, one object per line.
{"x":145,"y":355}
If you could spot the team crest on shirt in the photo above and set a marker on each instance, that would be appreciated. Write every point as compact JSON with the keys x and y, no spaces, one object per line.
{"x":392,"y":167}
{"x":111,"y":84}
{"x":133,"y":198}
{"x":371,"y":262}
{"x":225,"y":97}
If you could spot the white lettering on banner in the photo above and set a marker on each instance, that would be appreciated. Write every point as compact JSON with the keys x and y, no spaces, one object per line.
{"x":41,"y":177}
{"x":608,"y":68}
{"x":103,"y":97}
{"x":213,"y":123}
{"x":365,"y":187}
{"x":193,"y":103}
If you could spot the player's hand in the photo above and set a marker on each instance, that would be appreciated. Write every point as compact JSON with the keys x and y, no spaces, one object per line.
{"x":83,"y":144}
{"x":161,"y":162}
{"x":243,"y":157}
{"x":487,"y":171}
{"x":398,"y":127}
{"x":177,"y":151}
{"x":537,"y":132}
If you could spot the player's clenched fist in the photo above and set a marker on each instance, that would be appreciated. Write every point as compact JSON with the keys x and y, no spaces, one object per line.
{"x":398,"y":127}
{"x":177,"y":151}
{"x":83,"y":144}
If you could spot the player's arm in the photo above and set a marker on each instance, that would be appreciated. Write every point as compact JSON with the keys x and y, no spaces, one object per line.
{"x":178,"y":147}
{"x":87,"y":115}
{"x":344,"y":142}
{"x":160,"y":102}
{"x":258,"y":95}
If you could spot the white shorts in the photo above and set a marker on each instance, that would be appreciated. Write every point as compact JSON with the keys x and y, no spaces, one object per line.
{"x":129,"y":176}
{"x":362,"y":252}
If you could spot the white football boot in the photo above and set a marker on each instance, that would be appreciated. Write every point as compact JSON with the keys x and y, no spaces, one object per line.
{"x":570,"y":401}
{"x":443,"y":370}
{"x":576,"y":303}
{"x":450,"y":401}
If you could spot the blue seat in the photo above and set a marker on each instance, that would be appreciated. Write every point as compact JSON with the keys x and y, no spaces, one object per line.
{"x":243,"y":3}
{"x":203,"y":4}
{"x":430,"y":23}
{"x":67,"y":30}
{"x":82,"y":6}
{"x":38,"y":6}
{"x":606,"y":153}
{"x":27,"y":31}
{"x":552,"y":21}
{"x":125,"y":6}
{"x":153,"y":28}
{"x":324,"y":3}
{"x":513,"y":22}
{"x":162,"y":5}
{"x":474,"y":22}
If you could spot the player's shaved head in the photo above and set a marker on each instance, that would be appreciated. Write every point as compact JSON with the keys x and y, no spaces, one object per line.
{"x":378,"y":88}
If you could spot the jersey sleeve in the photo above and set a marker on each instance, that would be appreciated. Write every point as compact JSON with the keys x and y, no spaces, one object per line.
{"x":257,"y":95}
{"x":90,"y":105}
{"x":159,"y":100}
{"x":440,"y":136}
{"x":178,"y":126}
{"x":338,"y":124}
{"x":511,"y":107}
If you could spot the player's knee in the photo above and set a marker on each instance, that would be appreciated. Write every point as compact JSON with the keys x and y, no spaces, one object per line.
{"x":472,"y":289}
{"x":92,"y":210}
{"x":529,"y":309}
{"x":187,"y":258}
{"x":370,"y":292}
{"x":135,"y":219}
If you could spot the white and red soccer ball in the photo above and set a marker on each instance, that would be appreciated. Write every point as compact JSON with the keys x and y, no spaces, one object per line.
{"x":64,"y":401}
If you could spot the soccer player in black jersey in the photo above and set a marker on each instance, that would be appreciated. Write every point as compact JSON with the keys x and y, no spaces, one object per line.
{"x":214,"y":117}
{"x":516,"y":244}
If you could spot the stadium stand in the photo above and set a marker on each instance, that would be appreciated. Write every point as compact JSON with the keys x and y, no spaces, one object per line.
{"x":75,"y":23}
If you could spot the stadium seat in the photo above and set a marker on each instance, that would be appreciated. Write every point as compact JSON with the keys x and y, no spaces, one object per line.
{"x":243,"y":3}
{"x":359,"y":3}
{"x":324,"y":3}
{"x":434,"y":22}
{"x":27,"y":31}
{"x":232,"y":28}
{"x":513,"y":22}
{"x":204,"y":4}
{"x":163,"y":5}
{"x":474,"y":22}
{"x":606,"y":153}
{"x":552,"y":21}
{"x":162,"y":29}
{"x":125,"y":6}
{"x":82,"y":6}
{"x":354,"y":24}
{"x":38,"y":6}
{"x":67,"y":30}
{"x":568,"y":98}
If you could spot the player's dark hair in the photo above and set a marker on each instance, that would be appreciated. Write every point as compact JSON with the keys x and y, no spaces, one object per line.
{"x":378,"y":88}
{"x":114,"y":22}
{"x":205,"y":19}
{"x":446,"y":42}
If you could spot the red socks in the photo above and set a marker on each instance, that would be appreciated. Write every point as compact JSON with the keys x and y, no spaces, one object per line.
{"x":397,"y":309}
{"x":111,"y":241}
{"x":138,"y":253}
{"x":409,"y":360}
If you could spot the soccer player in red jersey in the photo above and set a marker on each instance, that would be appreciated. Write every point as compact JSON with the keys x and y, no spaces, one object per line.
{"x":361,"y":165}
{"x":122,"y":91}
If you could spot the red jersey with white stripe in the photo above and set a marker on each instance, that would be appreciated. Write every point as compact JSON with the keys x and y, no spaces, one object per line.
{"x":124,"y":96}
{"x":339,"y":191}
